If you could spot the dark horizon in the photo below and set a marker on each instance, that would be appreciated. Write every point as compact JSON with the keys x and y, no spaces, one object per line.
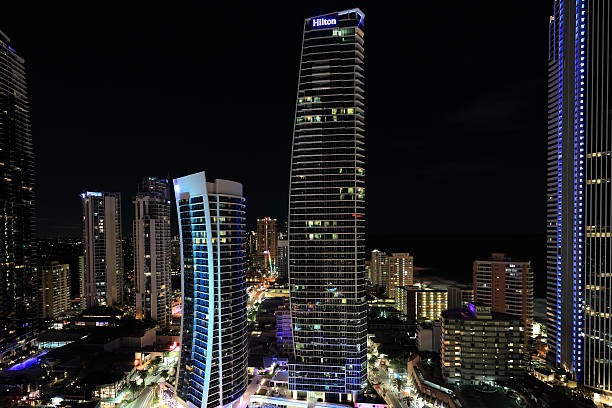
{"x":455,"y":115}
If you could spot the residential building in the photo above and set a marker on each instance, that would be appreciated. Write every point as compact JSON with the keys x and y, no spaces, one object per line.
{"x":83,"y":302}
{"x":102,"y":248}
{"x":507,"y":286}
{"x":19,"y":280}
{"x":284,"y":337}
{"x":212,"y":369}
{"x":459,"y":297}
{"x":399,"y":272}
{"x":327,"y":212}
{"x":379,"y":269}
{"x":55,"y":290}
{"x":153,"y":251}
{"x":578,"y":194}
{"x":481,"y":346}
{"x":420,"y":303}
{"x":267,"y":244}
{"x":282,"y":259}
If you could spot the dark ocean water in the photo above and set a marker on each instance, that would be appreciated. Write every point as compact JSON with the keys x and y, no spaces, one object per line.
{"x":452,"y":256}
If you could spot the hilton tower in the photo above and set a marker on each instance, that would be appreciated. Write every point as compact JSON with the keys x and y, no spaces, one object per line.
{"x":327,"y":211}
{"x":579,"y":191}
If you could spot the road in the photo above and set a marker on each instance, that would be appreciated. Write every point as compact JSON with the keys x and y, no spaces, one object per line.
{"x":251,"y":389}
{"x":144,"y":399}
{"x":390,"y":394}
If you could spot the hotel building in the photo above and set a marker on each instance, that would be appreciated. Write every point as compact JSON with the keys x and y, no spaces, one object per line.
{"x":417,"y":303}
{"x":327,"y":212}
{"x":481,"y":346}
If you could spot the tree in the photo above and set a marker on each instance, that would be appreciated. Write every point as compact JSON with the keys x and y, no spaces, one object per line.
{"x":398,"y":365}
{"x":373,"y":359}
{"x":399,"y":383}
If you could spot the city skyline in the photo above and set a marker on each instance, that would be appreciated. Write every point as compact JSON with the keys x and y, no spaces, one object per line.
{"x":181,"y":292}
{"x":125,"y":64}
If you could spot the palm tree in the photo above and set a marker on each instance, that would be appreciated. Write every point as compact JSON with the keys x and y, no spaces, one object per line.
{"x":399,"y":383}
{"x":373,"y":359}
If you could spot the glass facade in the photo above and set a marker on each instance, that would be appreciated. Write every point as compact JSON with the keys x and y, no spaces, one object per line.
{"x":212,"y":370}
{"x":18,"y":276}
{"x":327,"y":210}
{"x":579,"y":218}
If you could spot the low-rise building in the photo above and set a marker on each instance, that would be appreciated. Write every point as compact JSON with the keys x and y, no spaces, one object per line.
{"x":481,"y":346}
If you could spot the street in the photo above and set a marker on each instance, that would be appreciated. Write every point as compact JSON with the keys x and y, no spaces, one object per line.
{"x":144,"y":399}
{"x":251,"y":389}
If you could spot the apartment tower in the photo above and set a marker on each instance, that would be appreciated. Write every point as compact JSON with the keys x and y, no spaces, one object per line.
{"x":579,"y":191}
{"x":152,"y":251}
{"x":212,"y":370}
{"x":19,"y":282}
{"x":102,"y":249}
{"x":506,"y":285}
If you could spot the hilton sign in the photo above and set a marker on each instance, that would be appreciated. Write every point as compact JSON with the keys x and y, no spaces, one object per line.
{"x":323,"y":22}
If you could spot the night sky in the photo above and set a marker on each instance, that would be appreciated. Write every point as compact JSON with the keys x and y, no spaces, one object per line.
{"x":455,"y":106}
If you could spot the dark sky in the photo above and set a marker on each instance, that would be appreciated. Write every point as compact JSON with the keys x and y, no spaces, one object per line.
{"x":455,"y":106}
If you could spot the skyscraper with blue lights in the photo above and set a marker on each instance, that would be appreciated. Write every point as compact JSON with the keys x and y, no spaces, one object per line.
{"x":212,"y":370}
{"x":579,"y":193}
{"x":327,"y":211}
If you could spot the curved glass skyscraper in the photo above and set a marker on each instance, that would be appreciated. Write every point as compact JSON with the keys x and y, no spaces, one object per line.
{"x":212,"y":370}
{"x":327,"y":211}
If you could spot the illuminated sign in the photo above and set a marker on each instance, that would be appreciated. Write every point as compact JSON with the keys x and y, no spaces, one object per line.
{"x":323,"y":22}
{"x":93,"y":194}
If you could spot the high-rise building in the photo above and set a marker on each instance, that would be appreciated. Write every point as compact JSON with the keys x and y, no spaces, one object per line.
{"x":507,"y":286}
{"x":152,"y":251}
{"x":212,"y":370}
{"x":102,"y":248}
{"x":284,"y":334}
{"x":578,"y":192}
{"x":399,"y":272}
{"x":379,"y":269}
{"x":129,"y":280}
{"x":267,"y":241}
{"x":19,"y":282}
{"x":327,"y":211}
{"x":55,"y":289}
{"x":417,"y":303}
{"x":481,"y":346}
{"x":83,"y":302}
{"x":282,"y":259}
